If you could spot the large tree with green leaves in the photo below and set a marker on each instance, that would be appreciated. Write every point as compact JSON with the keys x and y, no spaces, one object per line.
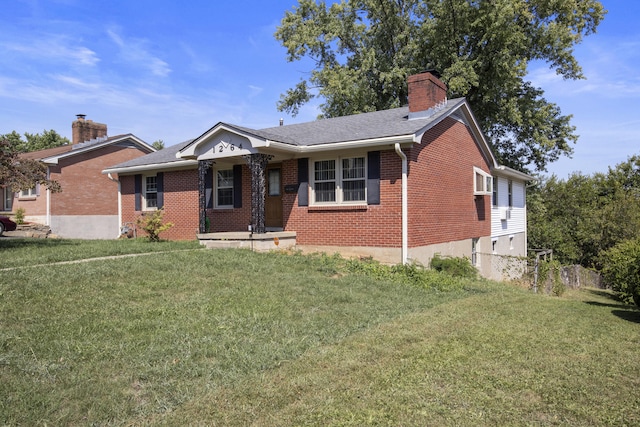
{"x":363,"y":51}
{"x":35,"y":141}
{"x":583,"y":216}
{"x":19,"y":173}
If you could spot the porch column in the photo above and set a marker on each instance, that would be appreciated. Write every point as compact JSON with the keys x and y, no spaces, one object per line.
{"x":258,"y":165}
{"x":204,"y":166}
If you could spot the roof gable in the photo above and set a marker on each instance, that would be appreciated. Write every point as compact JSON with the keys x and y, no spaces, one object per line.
{"x":52,"y":158}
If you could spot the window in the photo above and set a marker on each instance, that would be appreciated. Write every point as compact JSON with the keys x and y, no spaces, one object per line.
{"x":483,"y":182}
{"x":339,"y":181}
{"x":7,"y":197}
{"x":510,"y":192}
{"x":31,"y":192}
{"x":150,"y":192}
{"x":494,"y":196}
{"x":224,"y":188}
{"x":274,"y":183}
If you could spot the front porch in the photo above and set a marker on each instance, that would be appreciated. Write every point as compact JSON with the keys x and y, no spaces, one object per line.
{"x":260,"y":242}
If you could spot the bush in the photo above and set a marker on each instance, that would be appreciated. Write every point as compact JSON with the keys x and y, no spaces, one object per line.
{"x":408,"y":274}
{"x":457,"y":267}
{"x":621,"y":269}
{"x":152,"y":224}
{"x":19,"y":216}
{"x":549,"y":277}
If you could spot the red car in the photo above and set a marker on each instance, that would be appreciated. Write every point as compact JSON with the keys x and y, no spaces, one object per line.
{"x":6,"y":224}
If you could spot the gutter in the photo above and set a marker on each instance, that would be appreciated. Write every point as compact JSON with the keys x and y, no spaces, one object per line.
{"x":405,"y":234}
{"x":151,"y":167}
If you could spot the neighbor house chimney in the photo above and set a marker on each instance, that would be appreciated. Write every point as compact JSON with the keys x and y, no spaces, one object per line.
{"x":85,"y":130}
{"x":426,"y":91}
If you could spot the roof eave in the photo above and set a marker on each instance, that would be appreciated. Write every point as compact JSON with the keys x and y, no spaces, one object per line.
{"x":180,"y":164}
{"x":53,"y":160}
{"x":513,"y":173}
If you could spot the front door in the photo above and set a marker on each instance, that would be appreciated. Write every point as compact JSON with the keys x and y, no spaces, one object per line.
{"x":273,"y":202}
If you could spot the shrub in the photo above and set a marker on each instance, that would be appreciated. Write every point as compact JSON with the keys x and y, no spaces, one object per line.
{"x":621,"y":269}
{"x":409,"y":274}
{"x":457,"y":267}
{"x":549,"y":277}
{"x":152,"y":224}
{"x":19,"y":216}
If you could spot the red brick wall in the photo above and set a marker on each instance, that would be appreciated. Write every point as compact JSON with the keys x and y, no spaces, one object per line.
{"x":374,"y":225}
{"x":442,"y":207}
{"x":441,"y":204}
{"x":181,"y":205}
{"x":85,"y":190}
{"x":234,"y":219}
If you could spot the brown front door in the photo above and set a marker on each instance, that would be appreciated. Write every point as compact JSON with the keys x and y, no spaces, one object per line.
{"x":273,"y":202}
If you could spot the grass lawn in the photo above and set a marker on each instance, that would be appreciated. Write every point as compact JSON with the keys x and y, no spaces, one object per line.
{"x":231,"y":337}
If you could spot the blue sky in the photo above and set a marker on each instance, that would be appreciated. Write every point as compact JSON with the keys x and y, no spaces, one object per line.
{"x":170,"y":70}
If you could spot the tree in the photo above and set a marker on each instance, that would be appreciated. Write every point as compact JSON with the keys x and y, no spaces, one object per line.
{"x":363,"y":51}
{"x":622,"y":269}
{"x":585,"y":215}
{"x":22,"y":174}
{"x":158,"y":145}
{"x":35,"y":141}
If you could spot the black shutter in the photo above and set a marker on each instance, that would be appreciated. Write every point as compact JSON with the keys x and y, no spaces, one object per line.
{"x":373,"y":178}
{"x":208,"y":188}
{"x":160,"y":189}
{"x":137,"y":184}
{"x":237,"y":186}
{"x":303,"y":182}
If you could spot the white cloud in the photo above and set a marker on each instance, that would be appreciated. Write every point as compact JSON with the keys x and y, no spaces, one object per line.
{"x":136,"y":52}
{"x":58,"y":48}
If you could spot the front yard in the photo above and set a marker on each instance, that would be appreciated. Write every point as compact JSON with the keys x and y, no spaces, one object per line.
{"x":231,"y":337}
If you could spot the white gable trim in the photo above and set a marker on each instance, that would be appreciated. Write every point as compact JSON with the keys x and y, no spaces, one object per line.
{"x":53,"y":160}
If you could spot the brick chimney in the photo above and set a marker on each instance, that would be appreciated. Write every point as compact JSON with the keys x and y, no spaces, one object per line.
{"x":426,"y":93}
{"x":85,"y":130}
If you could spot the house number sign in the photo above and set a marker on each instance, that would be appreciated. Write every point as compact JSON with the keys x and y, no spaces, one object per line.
{"x":228,"y":146}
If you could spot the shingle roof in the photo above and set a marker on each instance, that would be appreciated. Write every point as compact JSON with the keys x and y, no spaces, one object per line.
{"x":357,"y":127}
{"x":363,"y":126}
{"x":57,"y":151}
{"x":164,"y":156}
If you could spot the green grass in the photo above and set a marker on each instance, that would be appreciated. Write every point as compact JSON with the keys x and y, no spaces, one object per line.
{"x":208,"y":337}
{"x":24,"y":252}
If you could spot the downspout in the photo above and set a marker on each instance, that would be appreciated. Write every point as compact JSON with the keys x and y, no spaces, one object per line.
{"x":47,"y":219}
{"x":405,"y":234}
{"x":119,"y":203}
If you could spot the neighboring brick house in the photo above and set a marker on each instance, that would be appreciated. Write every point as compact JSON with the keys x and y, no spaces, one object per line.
{"x":87,"y":207}
{"x":400,"y":184}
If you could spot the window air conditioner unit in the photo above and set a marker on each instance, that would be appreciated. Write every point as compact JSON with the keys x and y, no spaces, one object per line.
{"x":505,"y":214}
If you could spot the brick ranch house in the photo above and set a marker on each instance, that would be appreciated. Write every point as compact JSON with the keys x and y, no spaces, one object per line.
{"x":400,"y":184}
{"x":87,"y":207}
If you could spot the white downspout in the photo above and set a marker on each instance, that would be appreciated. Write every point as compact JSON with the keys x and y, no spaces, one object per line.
{"x":47,"y":219}
{"x":119,"y":202}
{"x":405,"y":234}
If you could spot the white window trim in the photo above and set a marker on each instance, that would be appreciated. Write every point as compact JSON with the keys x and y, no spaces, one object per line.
{"x":215,"y":189}
{"x":339,"y":193}
{"x":144,"y":193}
{"x":487,"y":182}
{"x":32,"y":193}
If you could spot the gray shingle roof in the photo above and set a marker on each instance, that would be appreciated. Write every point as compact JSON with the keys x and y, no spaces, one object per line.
{"x":164,"y":156}
{"x":377,"y":124}
{"x":357,"y":127}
